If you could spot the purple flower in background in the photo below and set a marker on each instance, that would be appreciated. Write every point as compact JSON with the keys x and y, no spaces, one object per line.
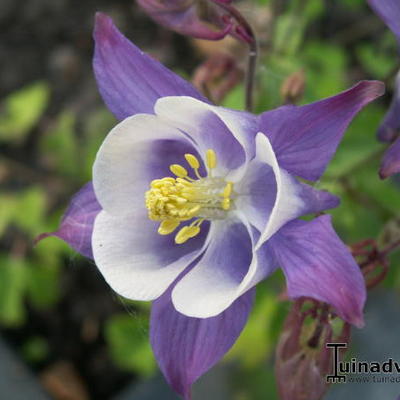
{"x":389,"y":131}
{"x":201,"y":19}
{"x":195,"y":204}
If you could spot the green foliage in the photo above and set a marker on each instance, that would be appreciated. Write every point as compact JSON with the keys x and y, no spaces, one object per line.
{"x":43,"y":285}
{"x":96,"y":127}
{"x":260,"y":329}
{"x":21,"y":110}
{"x":35,"y":349}
{"x":61,"y":147}
{"x":326,"y":70}
{"x":127,"y":338}
{"x":29,"y":210}
{"x":367,"y":56}
{"x":13,"y":281}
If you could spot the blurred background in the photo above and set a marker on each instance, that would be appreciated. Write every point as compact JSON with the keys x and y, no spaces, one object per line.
{"x":63,"y":333}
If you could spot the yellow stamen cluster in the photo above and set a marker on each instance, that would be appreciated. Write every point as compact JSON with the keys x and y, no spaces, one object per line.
{"x":175,"y":200}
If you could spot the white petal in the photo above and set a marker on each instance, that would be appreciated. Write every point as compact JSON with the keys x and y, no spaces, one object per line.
{"x":228,"y":268}
{"x":135,"y":260}
{"x":288,"y":204}
{"x":136,"y":151}
{"x":228,"y":132}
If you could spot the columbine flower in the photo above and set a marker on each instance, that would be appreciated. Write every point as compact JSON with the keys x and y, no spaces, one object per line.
{"x":389,"y":131}
{"x":198,"y":18}
{"x":302,"y":360}
{"x":196,"y":204}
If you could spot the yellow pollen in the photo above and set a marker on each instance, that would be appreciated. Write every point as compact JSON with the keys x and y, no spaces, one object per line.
{"x":211,"y":159}
{"x":172,"y":201}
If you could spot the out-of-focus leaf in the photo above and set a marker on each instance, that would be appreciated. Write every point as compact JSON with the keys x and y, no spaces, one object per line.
{"x":7,"y":210}
{"x":29,"y":211}
{"x":358,"y":144}
{"x":97,"y":126}
{"x":235,"y":98}
{"x":392,"y":279}
{"x":21,"y":110}
{"x":325,"y":70}
{"x":258,"y":330}
{"x":60,"y":147}
{"x":43,"y":285}
{"x":353,"y":4}
{"x":288,"y":34}
{"x":35,"y":349}
{"x":368,"y":56}
{"x":270,"y":79}
{"x":127,"y":338}
{"x":13,"y":275}
{"x":254,"y":383}
{"x":313,"y":9}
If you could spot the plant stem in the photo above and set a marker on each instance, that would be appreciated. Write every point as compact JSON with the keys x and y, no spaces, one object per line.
{"x":245,"y":32}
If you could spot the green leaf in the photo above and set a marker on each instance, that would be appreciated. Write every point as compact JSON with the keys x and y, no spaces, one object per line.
{"x":325,"y":65}
{"x":264,"y":324}
{"x":60,"y":146}
{"x":30,"y":209}
{"x":43,"y":285}
{"x":22,"y":110}
{"x":358,"y":144}
{"x":235,"y":98}
{"x":96,"y":128}
{"x":7,"y":210}
{"x":289,"y":33}
{"x":368,"y":57}
{"x":127,"y":338}
{"x":13,"y":275}
{"x":35,"y":349}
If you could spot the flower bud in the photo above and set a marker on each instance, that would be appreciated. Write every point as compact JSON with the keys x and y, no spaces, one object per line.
{"x":389,"y":129}
{"x":202,"y":19}
{"x":302,"y":359}
{"x":292,"y":89}
{"x":217,"y":76}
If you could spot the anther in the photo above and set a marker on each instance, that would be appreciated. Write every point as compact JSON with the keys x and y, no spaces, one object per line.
{"x":228,"y":190}
{"x":211,"y":159}
{"x":178,"y":170}
{"x":192,"y":161}
{"x":186,"y":233}
{"x":168,"y":226}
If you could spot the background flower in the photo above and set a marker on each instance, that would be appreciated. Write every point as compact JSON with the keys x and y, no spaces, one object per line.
{"x":389,"y":130}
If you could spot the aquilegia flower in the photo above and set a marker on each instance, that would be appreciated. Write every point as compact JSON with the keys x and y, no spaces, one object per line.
{"x":192,"y":205}
{"x":389,"y":131}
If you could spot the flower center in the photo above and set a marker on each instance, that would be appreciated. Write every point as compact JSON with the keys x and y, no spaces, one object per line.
{"x":175,"y":200}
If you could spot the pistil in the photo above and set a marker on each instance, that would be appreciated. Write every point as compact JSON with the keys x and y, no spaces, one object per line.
{"x":175,"y":200}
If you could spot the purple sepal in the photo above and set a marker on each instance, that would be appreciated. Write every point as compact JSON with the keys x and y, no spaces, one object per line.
{"x":391,"y":161}
{"x":199,"y":19}
{"x":390,"y":126}
{"x":389,"y":11}
{"x":77,"y":223}
{"x":317,"y":264}
{"x":305,"y":138}
{"x":130,"y":81}
{"x":185,"y":347}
